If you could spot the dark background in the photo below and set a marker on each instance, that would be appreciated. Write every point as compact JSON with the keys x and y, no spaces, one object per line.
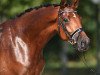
{"x":61,"y":58}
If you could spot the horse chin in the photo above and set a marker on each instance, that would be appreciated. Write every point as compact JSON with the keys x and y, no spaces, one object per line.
{"x":80,"y":48}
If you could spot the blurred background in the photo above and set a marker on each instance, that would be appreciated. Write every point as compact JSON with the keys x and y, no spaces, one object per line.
{"x":61,"y":58}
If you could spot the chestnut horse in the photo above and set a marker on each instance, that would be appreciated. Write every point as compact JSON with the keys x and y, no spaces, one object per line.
{"x":23,"y":38}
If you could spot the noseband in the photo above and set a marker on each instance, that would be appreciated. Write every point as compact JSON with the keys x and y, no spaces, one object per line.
{"x":62,"y":22}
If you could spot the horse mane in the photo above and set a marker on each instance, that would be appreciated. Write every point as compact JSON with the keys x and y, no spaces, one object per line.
{"x":36,"y":8}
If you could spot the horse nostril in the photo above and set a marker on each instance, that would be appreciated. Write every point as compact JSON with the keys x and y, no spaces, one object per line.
{"x":83,"y":44}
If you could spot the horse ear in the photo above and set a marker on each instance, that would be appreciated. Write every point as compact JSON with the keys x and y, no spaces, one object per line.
{"x":75,"y":4}
{"x":63,"y":4}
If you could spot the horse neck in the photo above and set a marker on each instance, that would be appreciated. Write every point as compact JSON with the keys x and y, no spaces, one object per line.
{"x":41,"y":25}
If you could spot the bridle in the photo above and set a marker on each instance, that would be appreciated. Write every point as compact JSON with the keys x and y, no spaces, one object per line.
{"x":61,"y":22}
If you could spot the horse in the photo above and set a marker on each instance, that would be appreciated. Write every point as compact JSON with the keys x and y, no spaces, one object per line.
{"x":23,"y":38}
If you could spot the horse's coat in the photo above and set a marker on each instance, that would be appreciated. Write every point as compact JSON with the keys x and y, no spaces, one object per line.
{"x":20,"y":48}
{"x":23,"y":38}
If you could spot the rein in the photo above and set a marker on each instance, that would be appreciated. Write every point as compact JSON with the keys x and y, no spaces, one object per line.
{"x":83,"y":58}
{"x":62,"y":22}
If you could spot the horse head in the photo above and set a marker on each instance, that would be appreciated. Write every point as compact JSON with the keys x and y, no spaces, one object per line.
{"x":70,"y":27}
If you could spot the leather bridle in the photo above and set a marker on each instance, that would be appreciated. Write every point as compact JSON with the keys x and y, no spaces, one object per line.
{"x":61,"y":23}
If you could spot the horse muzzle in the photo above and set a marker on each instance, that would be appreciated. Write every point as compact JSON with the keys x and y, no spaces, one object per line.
{"x":82,"y":43}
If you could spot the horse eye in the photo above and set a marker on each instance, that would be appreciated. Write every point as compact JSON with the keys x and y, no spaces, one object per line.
{"x":65,"y":20}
